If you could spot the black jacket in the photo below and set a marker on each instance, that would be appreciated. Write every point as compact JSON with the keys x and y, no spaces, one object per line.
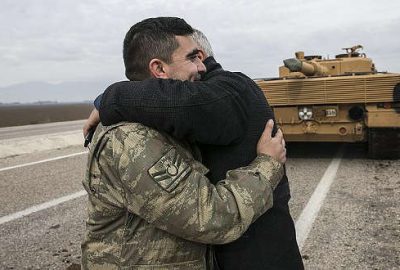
{"x":224,"y":114}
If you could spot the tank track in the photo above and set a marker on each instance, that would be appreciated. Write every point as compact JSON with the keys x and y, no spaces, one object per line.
{"x":384,"y":143}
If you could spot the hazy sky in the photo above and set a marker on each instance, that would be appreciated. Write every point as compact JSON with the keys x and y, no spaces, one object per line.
{"x":81,"y":40}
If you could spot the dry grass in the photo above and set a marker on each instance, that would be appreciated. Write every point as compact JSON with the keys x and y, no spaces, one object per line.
{"x":17,"y":115}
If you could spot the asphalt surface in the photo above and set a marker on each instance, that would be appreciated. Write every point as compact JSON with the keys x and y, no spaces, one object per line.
{"x":357,"y":226}
{"x":39,"y":129}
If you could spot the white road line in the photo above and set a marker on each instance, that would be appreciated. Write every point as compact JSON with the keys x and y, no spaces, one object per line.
{"x":42,"y":161}
{"x":310,"y":212}
{"x":43,"y":206}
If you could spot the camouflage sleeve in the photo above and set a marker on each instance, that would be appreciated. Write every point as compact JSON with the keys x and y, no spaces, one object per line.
{"x":162,"y":185}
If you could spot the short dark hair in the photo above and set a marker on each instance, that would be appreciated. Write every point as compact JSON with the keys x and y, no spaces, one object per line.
{"x":151,"y":38}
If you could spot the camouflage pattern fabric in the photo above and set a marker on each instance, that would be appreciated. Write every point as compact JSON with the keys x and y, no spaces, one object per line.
{"x":151,"y":207}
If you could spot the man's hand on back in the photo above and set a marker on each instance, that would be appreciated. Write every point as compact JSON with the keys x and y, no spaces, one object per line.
{"x":272,"y":146}
{"x":91,"y":122}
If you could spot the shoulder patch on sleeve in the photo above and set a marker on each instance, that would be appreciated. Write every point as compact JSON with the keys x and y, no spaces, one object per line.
{"x":169,"y":170}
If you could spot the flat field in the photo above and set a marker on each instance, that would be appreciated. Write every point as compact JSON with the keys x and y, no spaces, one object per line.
{"x":27,"y":114}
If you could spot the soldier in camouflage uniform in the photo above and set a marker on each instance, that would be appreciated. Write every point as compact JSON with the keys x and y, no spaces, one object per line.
{"x":150,"y":204}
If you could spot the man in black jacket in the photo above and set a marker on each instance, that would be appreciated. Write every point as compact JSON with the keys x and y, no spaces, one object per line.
{"x":224,"y":114}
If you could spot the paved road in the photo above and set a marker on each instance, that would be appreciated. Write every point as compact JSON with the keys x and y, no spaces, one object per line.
{"x":39,"y":129}
{"x":356,"y":227}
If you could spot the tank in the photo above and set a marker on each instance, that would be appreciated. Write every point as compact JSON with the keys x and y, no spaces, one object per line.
{"x":344,"y":99}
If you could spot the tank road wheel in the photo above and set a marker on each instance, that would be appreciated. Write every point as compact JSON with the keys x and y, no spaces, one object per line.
{"x":384,"y":143}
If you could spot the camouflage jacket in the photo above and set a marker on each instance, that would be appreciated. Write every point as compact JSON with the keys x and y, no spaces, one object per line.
{"x":150,"y":205}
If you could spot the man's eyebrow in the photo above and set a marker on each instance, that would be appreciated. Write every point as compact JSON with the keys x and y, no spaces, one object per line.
{"x":192,"y":53}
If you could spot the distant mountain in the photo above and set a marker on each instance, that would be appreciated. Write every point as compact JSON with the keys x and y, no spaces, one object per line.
{"x":62,"y":92}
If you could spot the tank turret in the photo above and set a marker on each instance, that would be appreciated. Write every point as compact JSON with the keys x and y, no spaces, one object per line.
{"x":351,"y":62}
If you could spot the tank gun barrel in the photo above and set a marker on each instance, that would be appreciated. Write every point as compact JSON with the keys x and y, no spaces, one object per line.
{"x":307,"y":68}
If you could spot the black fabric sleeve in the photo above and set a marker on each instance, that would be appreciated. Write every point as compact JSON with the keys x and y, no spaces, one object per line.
{"x":97,"y":101}
{"x":209,"y":112}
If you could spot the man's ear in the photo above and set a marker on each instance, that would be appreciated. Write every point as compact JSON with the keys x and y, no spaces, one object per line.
{"x":156,"y":67}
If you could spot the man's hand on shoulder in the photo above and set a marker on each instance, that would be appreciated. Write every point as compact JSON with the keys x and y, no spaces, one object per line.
{"x":272,"y":146}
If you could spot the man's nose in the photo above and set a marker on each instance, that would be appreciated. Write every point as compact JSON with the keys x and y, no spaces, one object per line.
{"x":201,"y":68}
